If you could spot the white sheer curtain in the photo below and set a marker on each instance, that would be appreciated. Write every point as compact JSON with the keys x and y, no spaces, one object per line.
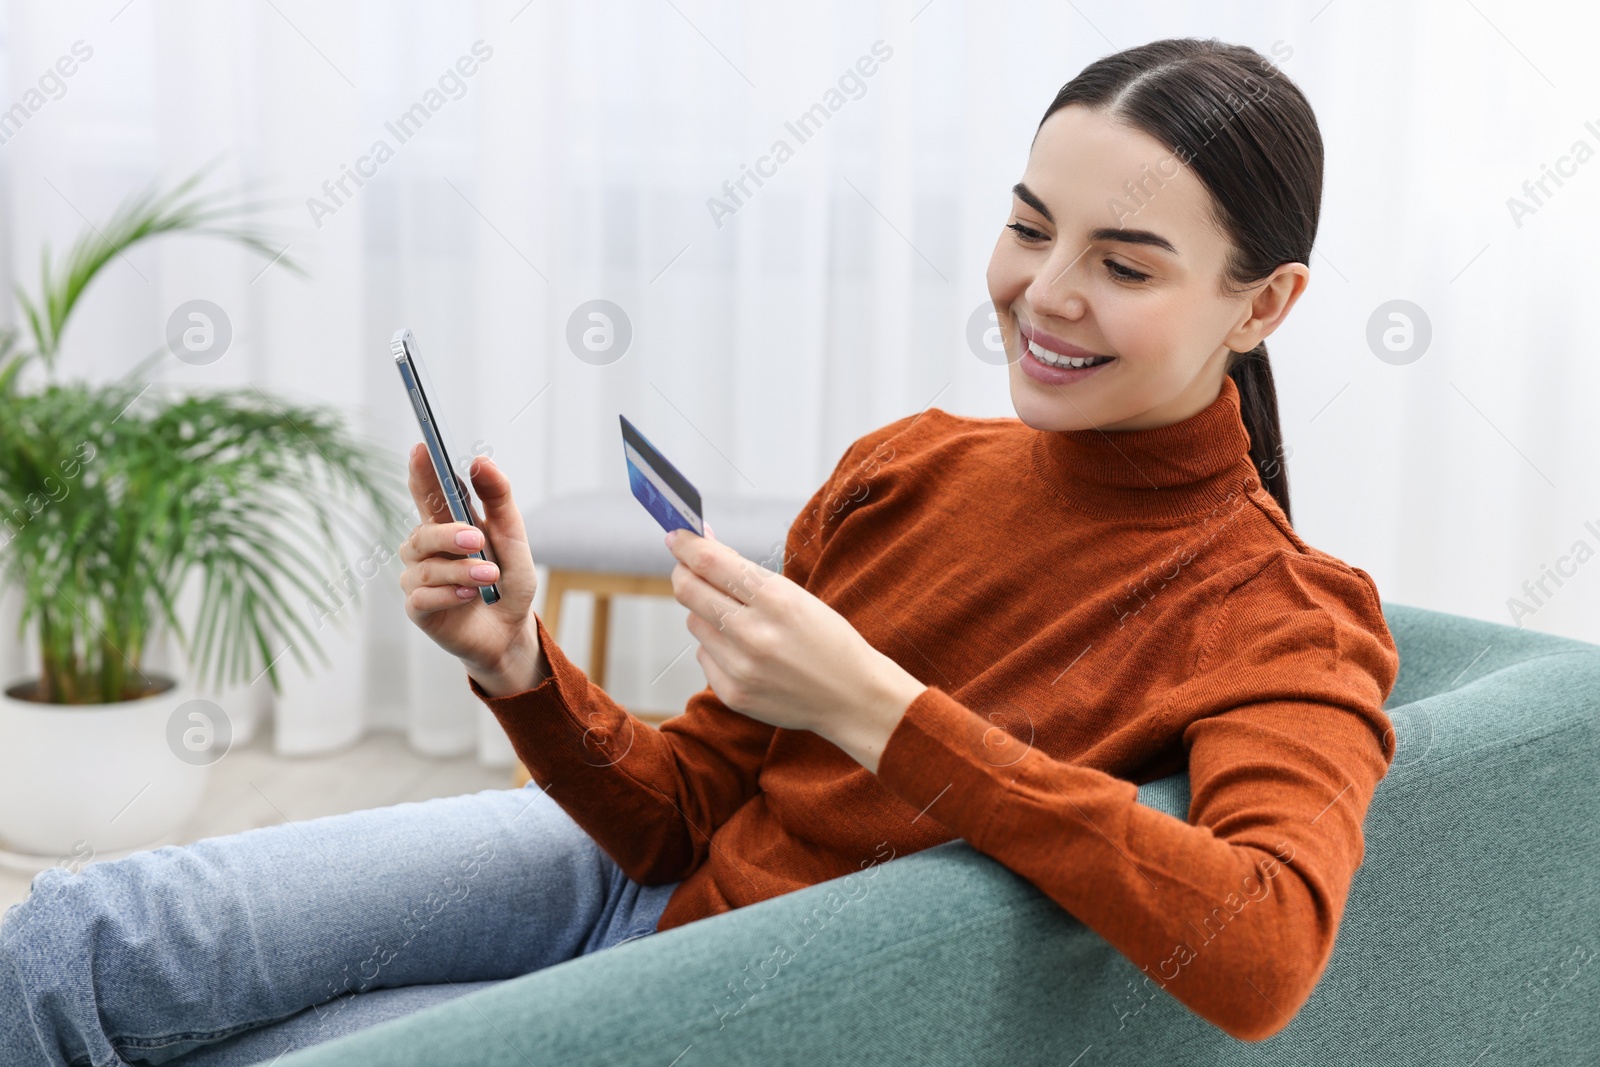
{"x":578,"y":161}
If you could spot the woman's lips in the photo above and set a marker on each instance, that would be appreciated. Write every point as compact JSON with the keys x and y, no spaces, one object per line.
{"x":1055,"y":344}
{"x":1046,"y":374}
{"x":1049,"y":374}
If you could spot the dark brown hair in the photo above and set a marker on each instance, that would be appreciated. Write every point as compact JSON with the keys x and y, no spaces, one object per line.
{"x":1248,"y":134}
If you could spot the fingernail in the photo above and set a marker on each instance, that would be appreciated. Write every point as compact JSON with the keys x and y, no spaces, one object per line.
{"x":483,"y":572}
{"x":672,"y":536}
{"x":468,"y":538}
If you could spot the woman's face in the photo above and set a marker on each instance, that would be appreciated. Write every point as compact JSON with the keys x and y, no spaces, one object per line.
{"x":1111,"y":251}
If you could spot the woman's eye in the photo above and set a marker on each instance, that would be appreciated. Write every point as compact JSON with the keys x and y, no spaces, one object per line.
{"x":1027,"y":233}
{"x":1125,"y":273}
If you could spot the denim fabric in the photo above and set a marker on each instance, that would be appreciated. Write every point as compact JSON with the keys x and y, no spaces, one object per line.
{"x":235,"y":949}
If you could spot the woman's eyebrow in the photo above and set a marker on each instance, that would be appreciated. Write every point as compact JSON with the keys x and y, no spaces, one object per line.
{"x":1105,"y":233}
{"x":1027,"y":196}
{"x":1132,"y":237}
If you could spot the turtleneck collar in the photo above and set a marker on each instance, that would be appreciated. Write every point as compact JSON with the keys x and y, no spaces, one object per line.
{"x":1168,"y":472}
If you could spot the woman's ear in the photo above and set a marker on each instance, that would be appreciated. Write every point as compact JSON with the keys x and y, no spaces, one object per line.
{"x":1274,"y":296}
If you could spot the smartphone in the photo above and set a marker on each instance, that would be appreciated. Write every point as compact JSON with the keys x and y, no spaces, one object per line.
{"x":458,"y":495}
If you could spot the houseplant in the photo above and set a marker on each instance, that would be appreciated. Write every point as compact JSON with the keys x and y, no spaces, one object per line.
{"x":112,"y":496}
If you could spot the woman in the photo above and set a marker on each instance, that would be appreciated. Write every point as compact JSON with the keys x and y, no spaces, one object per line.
{"x":984,"y":628}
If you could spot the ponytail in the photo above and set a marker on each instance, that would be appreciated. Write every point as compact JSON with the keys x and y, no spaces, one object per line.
{"x":1258,"y":410}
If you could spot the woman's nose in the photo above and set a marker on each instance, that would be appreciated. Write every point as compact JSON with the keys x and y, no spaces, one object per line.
{"x":1055,"y":290}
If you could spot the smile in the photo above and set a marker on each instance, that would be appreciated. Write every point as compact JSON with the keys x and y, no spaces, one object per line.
{"x":1055,"y":359}
{"x":1053,"y":354}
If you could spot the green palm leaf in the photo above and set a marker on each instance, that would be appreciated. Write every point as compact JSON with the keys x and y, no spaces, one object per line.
{"x":113,"y":495}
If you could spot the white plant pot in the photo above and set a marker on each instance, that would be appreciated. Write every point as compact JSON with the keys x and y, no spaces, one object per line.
{"x":85,"y":781}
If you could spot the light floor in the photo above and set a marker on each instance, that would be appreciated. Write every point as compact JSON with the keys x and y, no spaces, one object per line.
{"x":253,"y":787}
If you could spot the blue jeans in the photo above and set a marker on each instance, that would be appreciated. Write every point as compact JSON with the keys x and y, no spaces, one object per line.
{"x":232,"y":950}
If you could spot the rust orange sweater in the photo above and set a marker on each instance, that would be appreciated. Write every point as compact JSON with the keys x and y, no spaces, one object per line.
{"x":1090,"y":611}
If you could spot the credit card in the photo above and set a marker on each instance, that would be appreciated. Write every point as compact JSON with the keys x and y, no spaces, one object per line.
{"x":658,"y":485}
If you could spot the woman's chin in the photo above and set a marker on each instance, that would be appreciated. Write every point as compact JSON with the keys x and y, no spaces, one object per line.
{"x":1047,"y":409}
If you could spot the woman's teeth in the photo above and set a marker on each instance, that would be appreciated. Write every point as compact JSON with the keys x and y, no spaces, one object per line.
{"x":1044,"y":355}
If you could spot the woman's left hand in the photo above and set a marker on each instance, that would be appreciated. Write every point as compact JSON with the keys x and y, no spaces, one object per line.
{"x":773,"y":651}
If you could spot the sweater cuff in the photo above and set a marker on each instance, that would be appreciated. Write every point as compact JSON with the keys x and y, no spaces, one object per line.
{"x":549,"y":734}
{"x":946,"y":760}
{"x":562,"y":688}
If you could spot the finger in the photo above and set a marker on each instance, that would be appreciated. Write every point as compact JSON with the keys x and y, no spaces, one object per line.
{"x":438,"y":573}
{"x":721,"y":565}
{"x":441,"y":572}
{"x":441,"y":539}
{"x":508,"y":537}
{"x":716,"y":677}
{"x":425,"y":487}
{"x":427,"y":599}
{"x":713,"y":642}
{"x":702,"y":598}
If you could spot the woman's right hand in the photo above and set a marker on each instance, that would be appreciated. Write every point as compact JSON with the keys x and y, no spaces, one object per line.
{"x":498,"y":643}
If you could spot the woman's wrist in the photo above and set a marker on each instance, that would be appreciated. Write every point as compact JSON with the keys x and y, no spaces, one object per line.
{"x":864,"y":731}
{"x":523,"y":666}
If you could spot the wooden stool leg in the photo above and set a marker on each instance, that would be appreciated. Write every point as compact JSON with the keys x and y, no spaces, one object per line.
{"x":602,"y":586}
{"x":599,"y":631}
{"x":554,"y":591}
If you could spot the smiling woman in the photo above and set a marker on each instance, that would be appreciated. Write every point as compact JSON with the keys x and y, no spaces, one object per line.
{"x":991,"y":629}
{"x":901,"y":667}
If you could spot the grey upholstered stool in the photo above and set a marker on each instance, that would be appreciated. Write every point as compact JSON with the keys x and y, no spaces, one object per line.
{"x":603,"y":543}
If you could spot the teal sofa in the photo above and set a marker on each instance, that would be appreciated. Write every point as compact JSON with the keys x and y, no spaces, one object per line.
{"x":1471,"y":936}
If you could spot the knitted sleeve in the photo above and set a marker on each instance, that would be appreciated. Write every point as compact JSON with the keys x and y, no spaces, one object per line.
{"x":1234,"y":911}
